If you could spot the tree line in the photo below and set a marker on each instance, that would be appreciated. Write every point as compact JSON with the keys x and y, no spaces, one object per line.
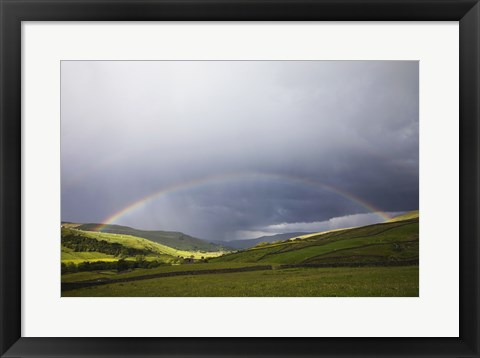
{"x":85,"y":244}
{"x":120,"y":265}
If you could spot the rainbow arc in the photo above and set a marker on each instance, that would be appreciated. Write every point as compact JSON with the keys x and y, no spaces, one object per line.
{"x":136,"y":205}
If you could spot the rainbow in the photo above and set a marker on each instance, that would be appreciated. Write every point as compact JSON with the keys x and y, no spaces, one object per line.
{"x":235,"y":176}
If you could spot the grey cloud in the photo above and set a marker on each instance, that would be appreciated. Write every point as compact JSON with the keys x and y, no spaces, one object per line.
{"x":132,"y":128}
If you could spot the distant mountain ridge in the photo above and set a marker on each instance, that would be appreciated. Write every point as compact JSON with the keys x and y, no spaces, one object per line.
{"x":247,"y":243}
{"x":177,"y":240}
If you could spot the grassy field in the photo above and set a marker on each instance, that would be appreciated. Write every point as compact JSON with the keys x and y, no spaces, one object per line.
{"x":386,"y":242}
{"x":141,"y":243}
{"x":296,"y":282}
{"x":68,"y":255}
{"x":373,"y":260}
{"x":157,"y":251}
{"x":112,"y":274}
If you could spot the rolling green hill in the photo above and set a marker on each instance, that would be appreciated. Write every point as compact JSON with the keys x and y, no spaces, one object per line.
{"x":374,"y":260}
{"x":80,"y":246}
{"x":172,"y":239}
{"x":385,"y":243}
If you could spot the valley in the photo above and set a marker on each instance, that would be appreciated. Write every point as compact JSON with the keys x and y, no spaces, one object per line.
{"x":374,"y":260}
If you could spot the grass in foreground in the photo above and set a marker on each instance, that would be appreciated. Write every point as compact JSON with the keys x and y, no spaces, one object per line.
{"x":111,"y":274}
{"x":297,"y":282}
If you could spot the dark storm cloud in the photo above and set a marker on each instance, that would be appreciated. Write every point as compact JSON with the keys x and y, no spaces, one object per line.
{"x":130,"y":129}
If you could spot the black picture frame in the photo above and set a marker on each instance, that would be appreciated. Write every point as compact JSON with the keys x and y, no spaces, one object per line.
{"x":13,"y":12}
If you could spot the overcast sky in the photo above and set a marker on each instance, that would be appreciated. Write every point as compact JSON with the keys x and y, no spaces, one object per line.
{"x":239,"y":149}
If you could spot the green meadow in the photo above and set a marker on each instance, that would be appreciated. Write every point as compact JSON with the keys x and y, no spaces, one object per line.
{"x":386,"y":242}
{"x":374,"y":260}
{"x":113,"y":274}
{"x":152,"y":249}
{"x":295,"y":282}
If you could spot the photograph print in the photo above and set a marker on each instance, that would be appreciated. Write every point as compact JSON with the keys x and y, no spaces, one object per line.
{"x":239,"y":179}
